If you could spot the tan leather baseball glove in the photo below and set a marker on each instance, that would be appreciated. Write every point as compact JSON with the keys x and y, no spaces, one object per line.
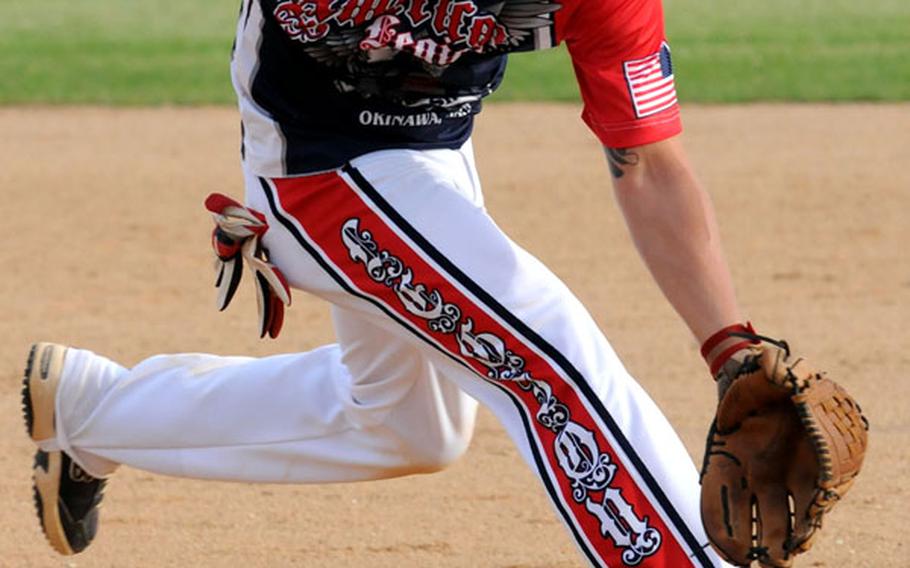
{"x":785,"y":446}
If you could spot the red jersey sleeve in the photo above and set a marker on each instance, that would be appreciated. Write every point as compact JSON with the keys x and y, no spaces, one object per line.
{"x":623,"y":66}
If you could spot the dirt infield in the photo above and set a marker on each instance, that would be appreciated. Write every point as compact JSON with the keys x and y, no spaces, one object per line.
{"x":105,"y":247}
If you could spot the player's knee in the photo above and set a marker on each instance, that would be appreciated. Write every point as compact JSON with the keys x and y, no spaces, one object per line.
{"x":439,"y":458}
{"x":436,"y":453}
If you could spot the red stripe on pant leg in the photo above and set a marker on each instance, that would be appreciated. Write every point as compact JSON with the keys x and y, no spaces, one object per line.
{"x":616,"y":516}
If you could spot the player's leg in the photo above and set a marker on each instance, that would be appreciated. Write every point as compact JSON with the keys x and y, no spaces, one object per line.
{"x":399,"y":233}
{"x":370,"y":407}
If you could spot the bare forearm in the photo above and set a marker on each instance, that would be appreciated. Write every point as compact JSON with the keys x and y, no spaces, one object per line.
{"x":672,"y":222}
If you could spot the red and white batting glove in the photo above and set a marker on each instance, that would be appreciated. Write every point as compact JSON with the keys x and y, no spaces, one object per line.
{"x":237,"y":238}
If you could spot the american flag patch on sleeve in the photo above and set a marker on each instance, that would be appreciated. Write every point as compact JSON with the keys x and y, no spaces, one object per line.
{"x":650,"y":81}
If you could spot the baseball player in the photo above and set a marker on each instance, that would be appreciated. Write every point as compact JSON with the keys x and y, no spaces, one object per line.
{"x":361,"y":188}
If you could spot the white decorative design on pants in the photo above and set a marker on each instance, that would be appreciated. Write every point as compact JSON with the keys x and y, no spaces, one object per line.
{"x":578,"y":453}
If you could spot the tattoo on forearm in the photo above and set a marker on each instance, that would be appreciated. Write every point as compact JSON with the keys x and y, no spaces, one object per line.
{"x":619,"y":158}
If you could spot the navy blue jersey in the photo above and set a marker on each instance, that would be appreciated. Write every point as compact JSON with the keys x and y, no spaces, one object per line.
{"x":340,"y":78}
{"x":321,"y":82}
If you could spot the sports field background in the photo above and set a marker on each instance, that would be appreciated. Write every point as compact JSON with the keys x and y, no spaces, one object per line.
{"x":174,"y":51}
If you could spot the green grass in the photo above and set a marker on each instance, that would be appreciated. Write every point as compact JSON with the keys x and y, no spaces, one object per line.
{"x":176,"y":52}
{"x":764,"y":50}
{"x":811,"y":50}
{"x":110,"y":52}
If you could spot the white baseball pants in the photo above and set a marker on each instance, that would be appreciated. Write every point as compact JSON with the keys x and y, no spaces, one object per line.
{"x":434,"y":309}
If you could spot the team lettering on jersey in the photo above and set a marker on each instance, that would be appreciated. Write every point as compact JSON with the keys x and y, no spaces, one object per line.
{"x":435,"y":31}
{"x":375,"y":118}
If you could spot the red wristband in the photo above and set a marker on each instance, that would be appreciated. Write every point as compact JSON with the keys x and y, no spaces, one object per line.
{"x":718,"y":348}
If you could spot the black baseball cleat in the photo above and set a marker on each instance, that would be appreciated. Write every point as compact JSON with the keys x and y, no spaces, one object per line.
{"x":66,"y":496}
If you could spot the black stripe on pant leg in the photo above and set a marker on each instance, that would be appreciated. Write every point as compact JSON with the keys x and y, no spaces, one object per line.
{"x":544,"y":346}
{"x":529,"y":433}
